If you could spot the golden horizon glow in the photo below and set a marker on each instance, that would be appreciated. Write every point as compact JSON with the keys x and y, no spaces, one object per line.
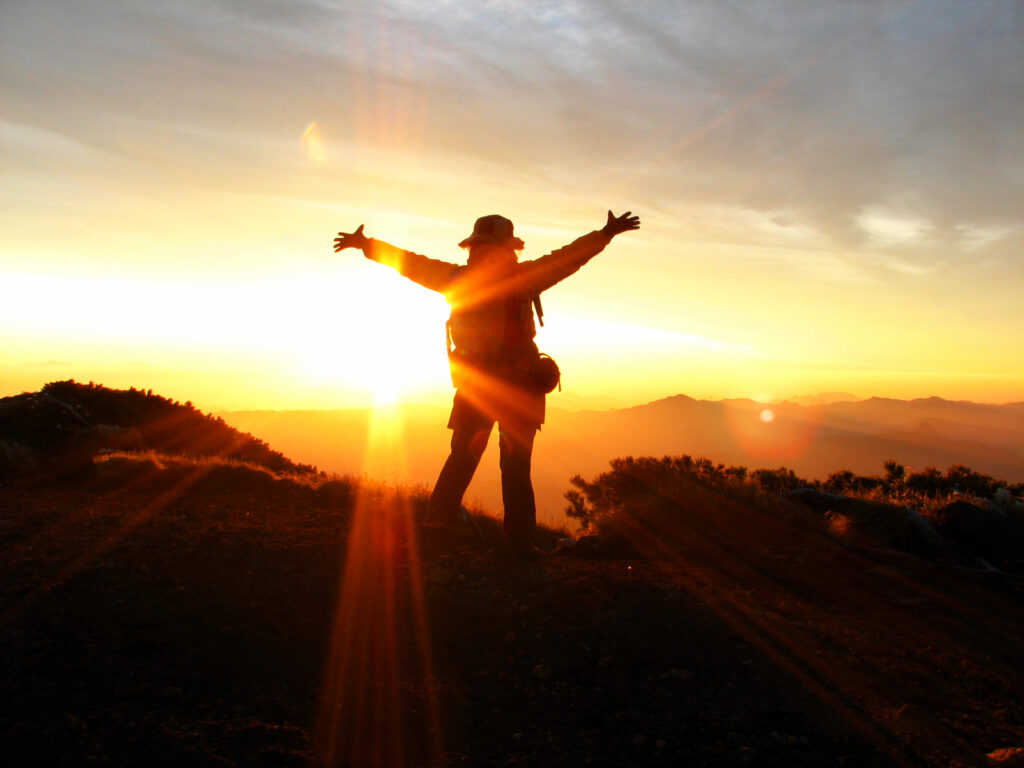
{"x":183,"y":245}
{"x":353,"y":334}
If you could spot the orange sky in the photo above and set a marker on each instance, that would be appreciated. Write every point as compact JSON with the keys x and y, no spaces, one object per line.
{"x":828,"y":204}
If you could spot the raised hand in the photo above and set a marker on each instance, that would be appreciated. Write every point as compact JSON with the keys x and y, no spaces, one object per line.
{"x":619,"y":224}
{"x":350,"y":240}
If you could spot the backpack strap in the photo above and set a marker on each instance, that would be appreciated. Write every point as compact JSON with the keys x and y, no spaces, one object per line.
{"x":540,"y":310}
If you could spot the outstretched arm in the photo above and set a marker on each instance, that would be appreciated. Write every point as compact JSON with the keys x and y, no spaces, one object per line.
{"x":430,"y":273}
{"x":542,"y":273}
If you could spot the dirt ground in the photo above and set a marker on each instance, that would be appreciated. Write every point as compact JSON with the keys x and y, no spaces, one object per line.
{"x":195,"y":626}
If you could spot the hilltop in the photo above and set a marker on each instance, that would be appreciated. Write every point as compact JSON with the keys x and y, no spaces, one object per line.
{"x":58,"y":430}
{"x":167,"y":611}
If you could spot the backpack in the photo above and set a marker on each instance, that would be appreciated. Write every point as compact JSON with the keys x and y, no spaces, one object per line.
{"x":498,"y":338}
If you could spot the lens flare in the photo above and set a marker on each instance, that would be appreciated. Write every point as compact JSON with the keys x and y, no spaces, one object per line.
{"x":379,"y":645}
{"x":313,"y":143}
{"x":776,"y":433}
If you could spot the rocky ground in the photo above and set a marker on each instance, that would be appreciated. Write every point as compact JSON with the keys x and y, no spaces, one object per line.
{"x":189,"y":624}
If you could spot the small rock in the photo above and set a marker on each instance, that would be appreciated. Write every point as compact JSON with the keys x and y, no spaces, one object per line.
{"x":1008,"y":757}
{"x":541,"y":672}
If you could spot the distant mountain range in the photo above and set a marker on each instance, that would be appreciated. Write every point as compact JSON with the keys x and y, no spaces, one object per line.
{"x":812,"y":439}
{"x":823,"y":398}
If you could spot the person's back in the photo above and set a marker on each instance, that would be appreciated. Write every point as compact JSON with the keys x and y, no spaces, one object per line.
{"x":491,"y":327}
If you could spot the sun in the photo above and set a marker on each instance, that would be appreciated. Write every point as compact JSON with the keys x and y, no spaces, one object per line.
{"x":381,"y":338}
{"x":388,"y":377}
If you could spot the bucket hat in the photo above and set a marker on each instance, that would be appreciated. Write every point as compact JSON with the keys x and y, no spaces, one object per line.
{"x":493,"y":229}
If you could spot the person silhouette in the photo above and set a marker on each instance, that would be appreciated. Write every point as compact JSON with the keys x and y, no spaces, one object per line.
{"x":493,"y":356}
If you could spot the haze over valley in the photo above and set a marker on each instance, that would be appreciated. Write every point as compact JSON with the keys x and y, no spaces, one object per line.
{"x":408,"y":443}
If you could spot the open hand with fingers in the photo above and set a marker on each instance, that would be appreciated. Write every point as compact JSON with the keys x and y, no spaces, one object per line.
{"x":350,"y":240}
{"x":619,"y":224}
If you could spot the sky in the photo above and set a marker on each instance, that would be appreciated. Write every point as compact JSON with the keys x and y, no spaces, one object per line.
{"x":831,"y":193}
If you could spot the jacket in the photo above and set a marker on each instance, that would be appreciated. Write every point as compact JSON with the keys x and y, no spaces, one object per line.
{"x":492,"y":311}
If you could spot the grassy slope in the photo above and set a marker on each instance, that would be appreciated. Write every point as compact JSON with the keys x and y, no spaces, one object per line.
{"x":63,"y":425}
{"x":194,"y":614}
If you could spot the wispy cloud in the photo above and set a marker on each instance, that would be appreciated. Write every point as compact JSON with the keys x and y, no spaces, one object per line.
{"x":820,"y":110}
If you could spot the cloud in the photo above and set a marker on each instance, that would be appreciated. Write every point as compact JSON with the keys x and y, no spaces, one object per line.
{"x":888,"y":230}
{"x":815,"y":111}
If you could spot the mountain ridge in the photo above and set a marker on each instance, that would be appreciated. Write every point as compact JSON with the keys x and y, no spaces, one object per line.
{"x":815,"y":441}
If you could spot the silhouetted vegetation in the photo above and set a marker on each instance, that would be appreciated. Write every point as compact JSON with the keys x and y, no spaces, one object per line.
{"x":929,"y":483}
{"x":588,"y":500}
{"x":61,"y":427}
{"x":960,"y":515}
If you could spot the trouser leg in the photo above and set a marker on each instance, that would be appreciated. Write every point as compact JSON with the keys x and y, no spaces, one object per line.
{"x":520,"y":521}
{"x":468,"y":444}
